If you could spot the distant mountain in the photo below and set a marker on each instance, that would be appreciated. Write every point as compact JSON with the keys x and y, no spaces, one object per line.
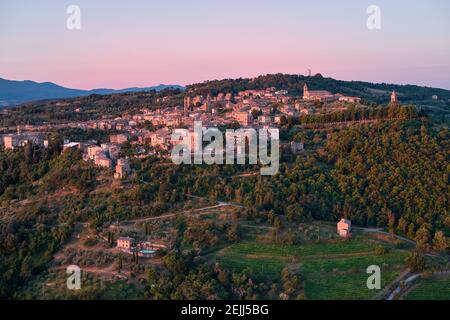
{"x":16,"y":92}
{"x":136,"y":89}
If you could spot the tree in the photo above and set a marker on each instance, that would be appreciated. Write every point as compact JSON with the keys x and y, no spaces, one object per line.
{"x":119,"y":264}
{"x":402,"y":225}
{"x":223,"y":277}
{"x":111,"y":238}
{"x":416,"y":261}
{"x":278,"y":224}
{"x":135,"y":256}
{"x":380,"y":250}
{"x":26,"y":268}
{"x":391,"y":221}
{"x":440,"y":242}
{"x":151,"y":276}
{"x":174,"y":263}
{"x":291,"y":282}
{"x":233,"y":232}
{"x":411,"y":231}
{"x":422,"y":237}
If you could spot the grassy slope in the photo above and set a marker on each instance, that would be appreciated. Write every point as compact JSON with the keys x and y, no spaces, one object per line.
{"x":310,"y":249}
{"x":431,"y":289}
{"x":334,"y":270}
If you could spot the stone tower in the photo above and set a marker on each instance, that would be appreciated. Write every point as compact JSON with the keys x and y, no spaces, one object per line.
{"x":394,"y":99}
{"x":305,"y":91}
{"x":187,"y":104}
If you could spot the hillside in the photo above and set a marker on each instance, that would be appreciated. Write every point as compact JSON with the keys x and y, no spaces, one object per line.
{"x":377,"y":93}
{"x":101,"y":102}
{"x":276,"y":235}
{"x":16,"y":92}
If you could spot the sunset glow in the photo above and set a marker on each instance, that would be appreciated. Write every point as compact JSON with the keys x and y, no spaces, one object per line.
{"x":151,"y":42}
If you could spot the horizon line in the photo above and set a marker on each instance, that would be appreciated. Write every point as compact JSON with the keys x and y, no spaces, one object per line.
{"x":184,"y":85}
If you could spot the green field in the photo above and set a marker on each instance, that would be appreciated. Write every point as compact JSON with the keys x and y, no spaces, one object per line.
{"x":310,"y":249}
{"x":387,"y":261}
{"x":329,"y":270}
{"x":430,"y":289}
{"x":348,"y":286}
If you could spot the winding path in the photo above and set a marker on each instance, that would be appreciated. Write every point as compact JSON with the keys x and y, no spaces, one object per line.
{"x":379,"y":230}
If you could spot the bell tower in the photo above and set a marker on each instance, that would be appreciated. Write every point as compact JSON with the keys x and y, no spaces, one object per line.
{"x":305,"y":92}
{"x":394,"y":98}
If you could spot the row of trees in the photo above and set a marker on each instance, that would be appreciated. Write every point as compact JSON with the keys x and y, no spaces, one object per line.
{"x":361,"y":114}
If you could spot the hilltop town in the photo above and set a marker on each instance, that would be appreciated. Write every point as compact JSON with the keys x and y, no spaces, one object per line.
{"x":265,"y":108}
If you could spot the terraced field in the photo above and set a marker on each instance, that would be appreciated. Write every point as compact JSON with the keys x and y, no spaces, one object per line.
{"x":309,"y":249}
{"x":387,"y":261}
{"x":343,"y":286}
{"x":430,"y":289}
{"x":329,"y":270}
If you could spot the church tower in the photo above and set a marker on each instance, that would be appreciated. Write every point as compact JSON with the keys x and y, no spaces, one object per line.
{"x":305,"y":92}
{"x":187,"y":104}
{"x":394,"y":99}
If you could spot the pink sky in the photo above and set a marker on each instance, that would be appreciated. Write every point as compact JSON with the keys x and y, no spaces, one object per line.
{"x":177,"y":42}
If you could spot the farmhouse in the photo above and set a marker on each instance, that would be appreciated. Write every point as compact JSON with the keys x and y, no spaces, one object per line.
{"x":125,"y":243}
{"x":344,"y":228}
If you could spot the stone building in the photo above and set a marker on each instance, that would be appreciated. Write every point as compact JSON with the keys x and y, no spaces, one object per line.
{"x":344,"y":228}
